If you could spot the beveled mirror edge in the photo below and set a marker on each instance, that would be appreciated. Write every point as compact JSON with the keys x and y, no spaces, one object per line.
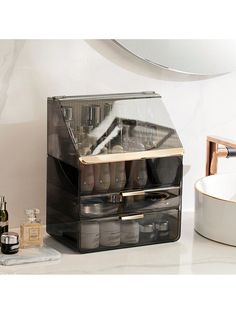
{"x":163,"y":67}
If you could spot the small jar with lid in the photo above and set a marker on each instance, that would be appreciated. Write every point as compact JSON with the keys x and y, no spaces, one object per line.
{"x":147,"y":232}
{"x":9,"y":242}
{"x":162,"y":228}
{"x":110,"y":233}
{"x":129,"y":232}
{"x":89,"y":232}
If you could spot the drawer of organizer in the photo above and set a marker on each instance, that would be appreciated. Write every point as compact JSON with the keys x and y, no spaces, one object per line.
{"x":129,"y":230}
{"x":129,"y":202}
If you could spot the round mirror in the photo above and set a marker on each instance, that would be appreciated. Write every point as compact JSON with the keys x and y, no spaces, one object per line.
{"x":190,"y":56}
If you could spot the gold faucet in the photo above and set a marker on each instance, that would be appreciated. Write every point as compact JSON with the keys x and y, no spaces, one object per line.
{"x":214,"y":152}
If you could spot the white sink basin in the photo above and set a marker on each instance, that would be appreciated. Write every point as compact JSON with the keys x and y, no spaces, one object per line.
{"x":215,"y":208}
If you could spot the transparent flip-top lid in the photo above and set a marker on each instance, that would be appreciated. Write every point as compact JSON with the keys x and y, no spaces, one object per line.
{"x":118,"y":123}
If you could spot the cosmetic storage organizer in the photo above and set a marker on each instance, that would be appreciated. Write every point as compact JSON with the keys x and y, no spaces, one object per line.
{"x":114,"y":171}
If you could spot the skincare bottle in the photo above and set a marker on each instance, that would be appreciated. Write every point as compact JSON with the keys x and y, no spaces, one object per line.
{"x":86,"y":179}
{"x":110,"y":233}
{"x":117,"y":172}
{"x":129,"y":232}
{"x":3,"y":216}
{"x":89,"y":235}
{"x":138,"y":174}
{"x":102,"y":177}
{"x":31,"y":231}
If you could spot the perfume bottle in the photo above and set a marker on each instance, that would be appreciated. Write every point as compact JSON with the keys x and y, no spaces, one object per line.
{"x":31,"y":231}
{"x":3,"y":216}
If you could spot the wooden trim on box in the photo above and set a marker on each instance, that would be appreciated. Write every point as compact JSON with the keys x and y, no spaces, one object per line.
{"x":155,"y":153}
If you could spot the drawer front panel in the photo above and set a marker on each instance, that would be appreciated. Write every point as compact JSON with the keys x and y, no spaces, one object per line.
{"x":130,"y":202}
{"x":129,"y":230}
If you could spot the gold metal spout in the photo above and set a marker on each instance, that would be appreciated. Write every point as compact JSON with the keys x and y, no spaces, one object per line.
{"x":214,"y":152}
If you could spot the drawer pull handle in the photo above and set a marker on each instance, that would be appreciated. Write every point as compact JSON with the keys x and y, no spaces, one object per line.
{"x":145,"y":192}
{"x":141,"y":216}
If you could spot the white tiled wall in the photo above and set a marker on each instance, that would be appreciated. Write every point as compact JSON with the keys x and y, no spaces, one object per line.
{"x":30,"y":71}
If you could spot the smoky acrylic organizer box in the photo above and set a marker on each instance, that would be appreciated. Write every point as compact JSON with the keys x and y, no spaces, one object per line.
{"x":114,"y":171}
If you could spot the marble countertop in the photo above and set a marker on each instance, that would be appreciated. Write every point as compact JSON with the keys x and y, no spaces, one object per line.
{"x":192,"y":254}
